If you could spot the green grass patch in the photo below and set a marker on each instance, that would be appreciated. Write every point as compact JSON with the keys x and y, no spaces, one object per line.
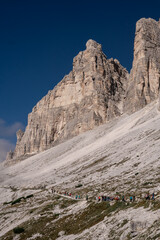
{"x":48,"y":207}
{"x":157,"y":236}
{"x":147,"y":183}
{"x":5,"y":203}
{"x":66,"y":203}
{"x":18,"y":230}
{"x":155,"y":205}
{"x":125,"y":221}
{"x":29,"y":196}
{"x":142,"y":203}
{"x":14,"y":189}
{"x":50,"y":225}
{"x":18,"y":200}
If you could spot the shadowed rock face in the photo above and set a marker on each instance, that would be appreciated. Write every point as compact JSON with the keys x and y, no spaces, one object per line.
{"x":144,"y":80}
{"x":91,"y":94}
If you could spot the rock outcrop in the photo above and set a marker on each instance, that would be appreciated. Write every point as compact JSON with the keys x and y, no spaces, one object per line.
{"x":91,"y":94}
{"x":144,"y":80}
{"x":95,"y":91}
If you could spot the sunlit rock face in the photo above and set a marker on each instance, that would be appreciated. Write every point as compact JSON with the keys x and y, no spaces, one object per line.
{"x":91,"y":94}
{"x":95,"y":91}
{"x":144,"y":80}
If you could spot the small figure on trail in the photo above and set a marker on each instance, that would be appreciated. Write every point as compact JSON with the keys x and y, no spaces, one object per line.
{"x":147,"y":196}
{"x":105,"y":198}
{"x":79,"y":196}
{"x":153,"y":196}
{"x":96,"y":199}
{"x":65,"y":193}
{"x":134,"y":198}
{"x":116,"y":198}
{"x":102,"y":198}
{"x":123,"y":199}
{"x":131,"y":198}
{"x":99,"y":199}
{"x":76,"y":196}
{"x":70,"y":194}
{"x":86,"y":197}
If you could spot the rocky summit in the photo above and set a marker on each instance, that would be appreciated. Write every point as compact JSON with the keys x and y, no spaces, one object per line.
{"x":91,"y":94}
{"x":144,"y":80}
{"x":95,"y":91}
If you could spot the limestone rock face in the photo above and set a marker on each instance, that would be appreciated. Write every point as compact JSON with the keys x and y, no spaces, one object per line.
{"x":144,"y":80}
{"x":91,"y":94}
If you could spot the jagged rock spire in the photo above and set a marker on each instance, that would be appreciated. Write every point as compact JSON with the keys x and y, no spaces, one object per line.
{"x":91,"y":94}
{"x":144,"y":81}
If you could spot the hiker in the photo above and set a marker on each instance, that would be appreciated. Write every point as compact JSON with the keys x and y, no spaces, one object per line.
{"x":116,"y":198}
{"x":152,"y":196}
{"x":86,"y":197}
{"x":147,"y":196}
{"x":76,"y":197}
{"x":123,"y":199}
{"x":70,"y":194}
{"x":96,"y":199}
{"x":79,"y":196}
{"x":99,"y":199}
{"x":134,"y":198}
{"x":131,"y":198}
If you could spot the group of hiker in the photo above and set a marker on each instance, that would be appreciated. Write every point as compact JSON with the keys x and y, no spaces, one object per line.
{"x":123,"y":198}
{"x":70,"y":195}
{"x":66,"y":194}
{"x":104,"y":198}
{"x":117,"y":198}
{"x":148,"y":197}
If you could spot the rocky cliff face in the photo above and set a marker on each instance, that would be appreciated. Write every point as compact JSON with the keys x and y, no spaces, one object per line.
{"x":91,"y":94}
{"x":95,"y":91}
{"x":144,"y":80}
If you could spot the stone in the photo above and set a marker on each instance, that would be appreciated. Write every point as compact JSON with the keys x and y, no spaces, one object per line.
{"x":91,"y":94}
{"x":144,"y":81}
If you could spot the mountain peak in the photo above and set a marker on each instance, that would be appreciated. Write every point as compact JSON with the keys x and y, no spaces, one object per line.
{"x":91,"y":94}
{"x":91,"y":44}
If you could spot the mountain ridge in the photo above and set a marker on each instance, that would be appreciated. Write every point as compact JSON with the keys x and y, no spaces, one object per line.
{"x":95,"y":91}
{"x":91,"y":94}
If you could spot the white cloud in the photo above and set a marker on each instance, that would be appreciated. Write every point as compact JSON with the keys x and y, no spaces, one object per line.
{"x":9,"y":130}
{"x":5,"y":146}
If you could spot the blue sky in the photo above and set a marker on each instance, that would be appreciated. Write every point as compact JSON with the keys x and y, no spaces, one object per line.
{"x":39,"y":40}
